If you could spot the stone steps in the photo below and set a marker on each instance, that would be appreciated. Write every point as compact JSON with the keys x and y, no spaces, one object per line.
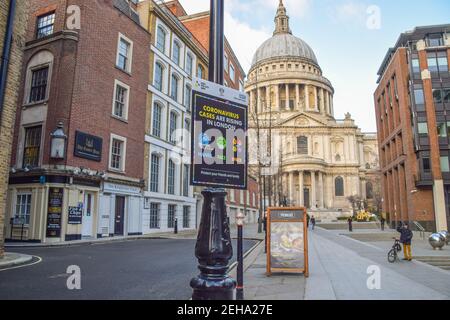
{"x":442,"y":262}
{"x":344,"y":225}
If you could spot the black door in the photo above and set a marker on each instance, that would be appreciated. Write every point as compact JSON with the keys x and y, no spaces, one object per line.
{"x":306,"y":198}
{"x":119,"y":216}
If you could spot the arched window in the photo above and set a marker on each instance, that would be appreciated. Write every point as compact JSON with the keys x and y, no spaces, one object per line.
{"x":369,"y":190}
{"x":338,"y":158}
{"x":154,"y":173}
{"x":339,"y":187}
{"x":187,"y":98}
{"x":200,"y":72}
{"x":189,"y":61}
{"x":159,"y":73}
{"x":302,"y":145}
{"x":171,"y":178}
{"x":157,"y":114}
{"x":174,"y":87}
{"x":161,"y":39}
{"x":176,"y":52}
{"x":173,"y":126}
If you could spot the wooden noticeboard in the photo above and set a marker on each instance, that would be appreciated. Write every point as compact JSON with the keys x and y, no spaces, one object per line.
{"x":287,"y":241}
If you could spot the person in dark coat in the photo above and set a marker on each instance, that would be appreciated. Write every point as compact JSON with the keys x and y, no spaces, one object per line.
{"x":350,"y":224}
{"x":382,"y":221}
{"x":406,"y":236}
{"x":308,"y":218}
{"x":313,"y":222}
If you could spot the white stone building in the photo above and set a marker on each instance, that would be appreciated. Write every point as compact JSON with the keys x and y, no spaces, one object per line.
{"x":317,"y":161}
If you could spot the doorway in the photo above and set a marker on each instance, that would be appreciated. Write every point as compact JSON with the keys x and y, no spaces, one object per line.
{"x":306,"y":198}
{"x":87,"y":221}
{"x":119,"y":216}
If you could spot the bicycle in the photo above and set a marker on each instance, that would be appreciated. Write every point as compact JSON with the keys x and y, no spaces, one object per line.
{"x":392,"y":254}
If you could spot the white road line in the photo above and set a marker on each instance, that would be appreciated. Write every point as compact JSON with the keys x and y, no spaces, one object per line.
{"x":25,"y":265}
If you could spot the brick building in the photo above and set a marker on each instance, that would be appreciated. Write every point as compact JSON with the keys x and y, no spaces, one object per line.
{"x":412,"y":104}
{"x":14,"y":12}
{"x":78,"y":155}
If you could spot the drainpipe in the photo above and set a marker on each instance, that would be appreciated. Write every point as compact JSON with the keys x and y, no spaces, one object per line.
{"x":6,"y":53}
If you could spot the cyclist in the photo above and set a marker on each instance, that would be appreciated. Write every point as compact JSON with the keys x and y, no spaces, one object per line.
{"x":406,"y":236}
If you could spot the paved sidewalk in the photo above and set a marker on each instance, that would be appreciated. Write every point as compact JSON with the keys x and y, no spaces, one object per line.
{"x":339,"y":268}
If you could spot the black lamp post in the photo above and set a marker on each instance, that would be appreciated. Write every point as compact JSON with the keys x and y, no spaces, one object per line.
{"x":213,"y":248}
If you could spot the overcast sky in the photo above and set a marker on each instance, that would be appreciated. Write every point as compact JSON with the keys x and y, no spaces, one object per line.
{"x":347,"y":37}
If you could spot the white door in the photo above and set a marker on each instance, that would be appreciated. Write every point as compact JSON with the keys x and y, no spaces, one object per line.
{"x":88,"y":209}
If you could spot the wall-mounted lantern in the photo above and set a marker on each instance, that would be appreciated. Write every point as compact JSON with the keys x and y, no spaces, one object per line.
{"x":58,"y":142}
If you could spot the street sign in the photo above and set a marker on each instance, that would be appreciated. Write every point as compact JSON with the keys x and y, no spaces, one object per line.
{"x":287,"y":241}
{"x":219,"y":136}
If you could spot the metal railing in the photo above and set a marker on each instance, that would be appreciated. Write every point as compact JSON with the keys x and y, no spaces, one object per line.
{"x":420,"y":228}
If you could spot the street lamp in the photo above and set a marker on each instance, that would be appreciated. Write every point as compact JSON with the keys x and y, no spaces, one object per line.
{"x":58,"y":142}
{"x":240,"y":217}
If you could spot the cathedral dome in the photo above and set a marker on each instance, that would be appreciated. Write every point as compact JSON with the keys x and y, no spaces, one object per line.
{"x":284,"y":45}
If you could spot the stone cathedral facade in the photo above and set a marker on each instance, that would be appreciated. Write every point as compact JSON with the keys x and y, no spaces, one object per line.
{"x":317,"y":160}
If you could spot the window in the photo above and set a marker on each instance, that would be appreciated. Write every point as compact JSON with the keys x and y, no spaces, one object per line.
{"x":171,"y":178}
{"x":394,"y":79}
{"x":186,"y":217}
{"x":445,"y":164}
{"x":173,"y":127}
{"x":241,"y":85}
{"x":225,"y":63}
{"x":45,"y":24}
{"x":157,"y":113}
{"x":161,"y":39}
{"x":189,"y":61}
{"x":232,"y":195}
{"x":422,"y":128}
{"x":339,"y":187}
{"x":437,"y":95}
{"x":176,"y":52}
{"x":171,"y":216}
{"x":154,"y":215}
{"x":437,"y":61}
{"x":416,"y":65}
{"x":154,"y":175}
{"x":23,"y":207}
{"x":120,"y":106}
{"x":446,"y":95}
{"x":442,"y":130}
{"x":188,"y":98}
{"x":232,"y":73}
{"x":32,"y":146}
{"x":158,"y":82}
{"x":39,"y":79}
{"x":200,"y":72}
{"x":426,"y":165}
{"x":174,"y":88}
{"x":302,"y":145}
{"x":124,"y":54}
{"x":418,"y":96}
{"x":435,"y":40}
{"x":186,"y":180}
{"x":117,"y":159}
{"x":369,"y":190}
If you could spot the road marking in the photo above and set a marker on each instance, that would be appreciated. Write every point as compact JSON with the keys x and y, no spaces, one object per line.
{"x":25,"y":265}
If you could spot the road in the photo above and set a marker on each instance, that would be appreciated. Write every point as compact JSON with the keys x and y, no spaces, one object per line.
{"x":153,"y":269}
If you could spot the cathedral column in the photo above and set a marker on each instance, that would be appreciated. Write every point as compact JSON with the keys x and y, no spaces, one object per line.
{"x":277,"y":97}
{"x":301,"y":187}
{"x":331,"y":104}
{"x":313,"y":189}
{"x":251,"y":101}
{"x":259,"y":101}
{"x":268,"y":102}
{"x":322,"y":102}
{"x":316,"y":104}
{"x":321,"y":190}
{"x":291,"y":187}
{"x":297,"y":97}
{"x":307,"y":97}
{"x":287,"y":96}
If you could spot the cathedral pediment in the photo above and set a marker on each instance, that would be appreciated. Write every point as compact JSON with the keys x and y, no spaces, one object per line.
{"x":302,"y":119}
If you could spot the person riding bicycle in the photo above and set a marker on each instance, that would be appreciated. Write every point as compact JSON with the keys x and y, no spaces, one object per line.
{"x":406,"y":236}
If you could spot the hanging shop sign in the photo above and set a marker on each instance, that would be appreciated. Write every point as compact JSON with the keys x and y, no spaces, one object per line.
{"x":287,"y":241}
{"x":54,"y":214}
{"x":88,"y":146}
{"x":219,"y":136}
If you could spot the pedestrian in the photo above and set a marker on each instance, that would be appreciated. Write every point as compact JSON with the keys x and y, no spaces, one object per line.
{"x":382,"y":221}
{"x":350,"y":224}
{"x":406,"y":236}
{"x":308,"y":218}
{"x":313,"y":222}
